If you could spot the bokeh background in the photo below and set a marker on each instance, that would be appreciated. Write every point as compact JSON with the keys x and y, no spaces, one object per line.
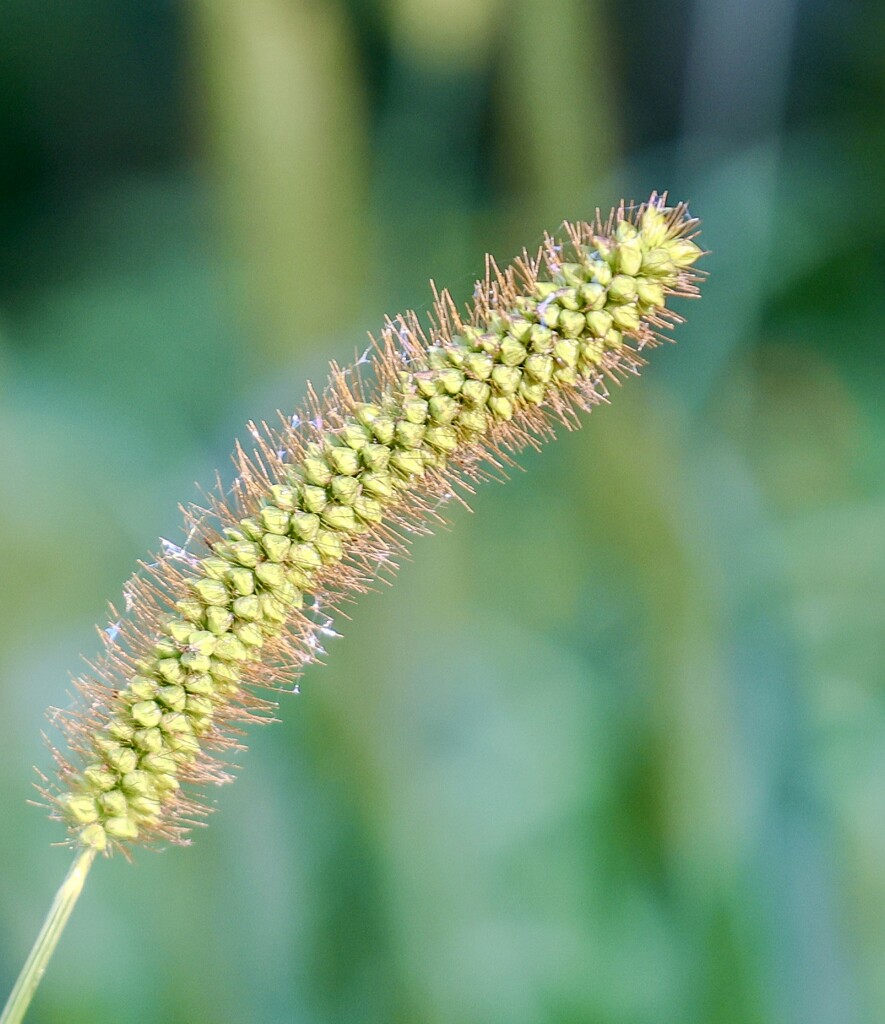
{"x":613,"y":748}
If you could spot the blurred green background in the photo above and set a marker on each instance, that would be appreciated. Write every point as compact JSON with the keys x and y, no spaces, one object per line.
{"x":613,"y":748}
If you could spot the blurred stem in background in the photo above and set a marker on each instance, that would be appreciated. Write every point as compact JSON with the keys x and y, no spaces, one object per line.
{"x":735,"y":105}
{"x":428,"y":155}
{"x":553,"y":153}
{"x":285,"y":131}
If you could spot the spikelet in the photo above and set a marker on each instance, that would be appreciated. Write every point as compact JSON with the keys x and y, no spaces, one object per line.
{"x":323,"y":503}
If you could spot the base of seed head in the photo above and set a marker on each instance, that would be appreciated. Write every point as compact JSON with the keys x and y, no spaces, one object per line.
{"x":330,"y":497}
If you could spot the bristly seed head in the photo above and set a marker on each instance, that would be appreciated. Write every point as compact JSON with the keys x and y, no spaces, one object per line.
{"x":322,"y":503}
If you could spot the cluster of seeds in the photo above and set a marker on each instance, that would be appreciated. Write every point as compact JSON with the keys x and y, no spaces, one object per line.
{"x":542,"y":335}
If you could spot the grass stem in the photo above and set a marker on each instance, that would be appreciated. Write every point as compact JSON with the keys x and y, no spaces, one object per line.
{"x":47,"y":940}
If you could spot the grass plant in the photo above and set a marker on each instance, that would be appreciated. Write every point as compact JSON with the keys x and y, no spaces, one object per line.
{"x":320,"y":508}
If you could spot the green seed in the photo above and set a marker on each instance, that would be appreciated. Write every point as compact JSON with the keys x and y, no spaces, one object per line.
{"x":650,"y":293}
{"x":565,"y":353}
{"x":344,"y":489}
{"x":191,"y":609}
{"x":479,"y":365}
{"x":170,"y":669}
{"x":443,"y":439}
{"x":534,"y":394}
{"x":473,"y":421}
{"x":541,"y":339}
{"x":271,"y":575}
{"x":501,"y":408}
{"x":121,"y":828}
{"x":329,"y":545}
{"x":371,"y":511}
{"x":283,"y":497}
{"x":166,"y":649}
{"x":200,"y":682}
{"x":415,"y":410}
{"x":377,"y":484}
{"x":316,"y":472}
{"x":513,"y":352}
{"x":147,"y":713}
{"x":314,"y":498}
{"x":218,"y":620}
{"x":202,"y":641}
{"x":215,"y":568}
{"x":211,"y":592}
{"x":408,"y":463}
{"x":276,"y":547}
{"x":100,"y":777}
{"x":598,"y":323}
{"x":173,"y":697}
{"x":305,"y":525}
{"x":246,"y":552}
{"x":230,"y":649}
{"x":242,"y":581}
{"x":382,"y":428}
{"x":247,"y":608}
{"x":344,"y":461}
{"x":355,"y":436}
{"x":452,"y":379}
{"x":476,"y":392}
{"x":540,"y":367}
{"x":178,"y":629}
{"x":340,"y":517}
{"x":149,"y":740}
{"x":249,"y":634}
{"x":304,"y":556}
{"x":274,"y":520}
{"x":81,"y":808}
{"x":199,"y":705}
{"x":375,"y":457}
{"x":625,"y":318}
{"x":684,"y":252}
{"x":114,"y":803}
{"x":622,"y":289}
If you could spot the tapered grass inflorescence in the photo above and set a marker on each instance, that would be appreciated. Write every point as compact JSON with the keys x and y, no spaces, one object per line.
{"x":322,"y":504}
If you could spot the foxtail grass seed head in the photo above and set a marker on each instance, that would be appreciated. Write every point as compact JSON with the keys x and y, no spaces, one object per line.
{"x":323,"y":503}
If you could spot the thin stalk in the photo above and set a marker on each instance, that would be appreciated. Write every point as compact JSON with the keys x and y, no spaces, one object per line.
{"x":47,"y":940}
